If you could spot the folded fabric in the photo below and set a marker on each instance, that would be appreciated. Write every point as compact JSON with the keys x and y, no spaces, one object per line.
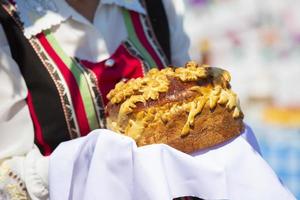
{"x":107,"y":165}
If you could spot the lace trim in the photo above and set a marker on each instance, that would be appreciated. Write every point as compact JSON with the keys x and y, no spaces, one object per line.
{"x":38,"y":15}
{"x":41,"y":15}
{"x":11,"y":185}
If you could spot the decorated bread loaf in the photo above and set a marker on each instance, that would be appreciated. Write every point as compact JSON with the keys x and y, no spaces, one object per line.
{"x":189,"y":108}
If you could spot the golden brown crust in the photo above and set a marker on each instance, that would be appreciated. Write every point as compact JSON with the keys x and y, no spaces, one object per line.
{"x":211,"y":128}
{"x":191,"y":112}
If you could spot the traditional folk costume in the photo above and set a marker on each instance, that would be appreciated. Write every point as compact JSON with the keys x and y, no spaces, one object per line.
{"x":56,"y":69}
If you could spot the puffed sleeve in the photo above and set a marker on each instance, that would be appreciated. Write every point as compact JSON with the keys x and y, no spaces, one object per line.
{"x":178,"y":38}
{"x":23,"y":170}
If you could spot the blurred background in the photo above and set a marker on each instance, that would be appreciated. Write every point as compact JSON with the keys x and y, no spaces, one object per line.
{"x":258,"y":42}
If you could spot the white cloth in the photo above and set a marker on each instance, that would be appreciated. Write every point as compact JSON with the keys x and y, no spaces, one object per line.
{"x":106,"y":165}
{"x":79,"y":38}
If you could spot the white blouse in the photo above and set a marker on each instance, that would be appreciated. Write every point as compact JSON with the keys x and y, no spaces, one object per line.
{"x":21,"y":163}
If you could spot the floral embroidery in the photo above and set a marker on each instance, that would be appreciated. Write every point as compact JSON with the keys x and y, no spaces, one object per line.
{"x":11,"y":185}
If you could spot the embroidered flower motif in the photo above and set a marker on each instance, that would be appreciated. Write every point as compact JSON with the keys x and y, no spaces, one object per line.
{"x":11,"y":185}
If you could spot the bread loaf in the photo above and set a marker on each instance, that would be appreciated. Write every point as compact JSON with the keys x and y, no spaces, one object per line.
{"x":189,"y":108}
